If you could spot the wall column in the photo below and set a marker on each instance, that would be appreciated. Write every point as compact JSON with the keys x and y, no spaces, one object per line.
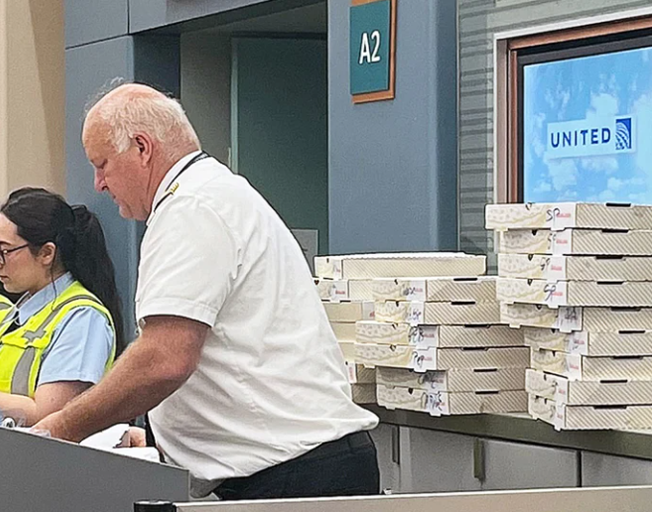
{"x":32,"y":77}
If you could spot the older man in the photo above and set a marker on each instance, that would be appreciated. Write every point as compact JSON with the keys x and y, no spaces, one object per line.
{"x":236,"y":361}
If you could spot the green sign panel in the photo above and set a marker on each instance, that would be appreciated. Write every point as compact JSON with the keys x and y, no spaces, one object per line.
{"x":370,"y":41}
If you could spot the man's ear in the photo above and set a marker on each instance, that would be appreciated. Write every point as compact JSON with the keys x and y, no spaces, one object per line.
{"x":145,"y":145}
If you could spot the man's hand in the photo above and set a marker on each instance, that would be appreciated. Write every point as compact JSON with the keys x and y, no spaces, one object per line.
{"x":53,"y":425}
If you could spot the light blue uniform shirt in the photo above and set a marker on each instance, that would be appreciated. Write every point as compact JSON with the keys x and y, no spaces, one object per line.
{"x":81,"y":343}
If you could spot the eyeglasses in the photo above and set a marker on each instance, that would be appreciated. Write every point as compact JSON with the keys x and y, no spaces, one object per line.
{"x":4,"y":252}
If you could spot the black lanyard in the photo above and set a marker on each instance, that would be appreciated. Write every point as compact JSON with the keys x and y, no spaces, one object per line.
{"x":170,"y":190}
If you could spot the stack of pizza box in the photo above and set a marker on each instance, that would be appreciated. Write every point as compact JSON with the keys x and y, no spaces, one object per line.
{"x":347,"y":301}
{"x":435,"y":342}
{"x":576,"y":278}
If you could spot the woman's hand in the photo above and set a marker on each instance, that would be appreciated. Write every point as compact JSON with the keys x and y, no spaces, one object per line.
{"x":137,"y":438}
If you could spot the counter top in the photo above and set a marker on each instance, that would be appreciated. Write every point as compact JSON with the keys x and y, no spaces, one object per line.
{"x":522,"y":428}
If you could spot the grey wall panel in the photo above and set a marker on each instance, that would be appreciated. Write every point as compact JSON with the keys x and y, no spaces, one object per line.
{"x":523,"y":466}
{"x":279,"y":126}
{"x":157,"y":62}
{"x":94,"y":20}
{"x":478,"y":21}
{"x":71,"y":478}
{"x":599,"y":469}
{"x":149,"y":14}
{"x":386,"y":439}
{"x":392,"y":182}
{"x":206,"y":89}
{"x":89,"y":68}
{"x":433,"y":461}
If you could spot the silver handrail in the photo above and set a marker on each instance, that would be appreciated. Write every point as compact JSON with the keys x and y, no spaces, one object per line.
{"x":600,"y":499}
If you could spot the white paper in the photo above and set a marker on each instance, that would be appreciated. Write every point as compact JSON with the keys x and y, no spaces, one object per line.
{"x":116,"y":436}
{"x":142,"y":452}
{"x":416,"y":313}
{"x":424,"y":359}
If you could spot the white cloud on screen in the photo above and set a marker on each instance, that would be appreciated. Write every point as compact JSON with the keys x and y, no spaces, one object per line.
{"x":606,"y":164}
{"x":602,"y":105}
{"x":615,"y":184}
{"x":563,"y":174}
{"x":568,"y":195}
{"x":564,"y":97}
{"x":543,"y":187}
{"x":638,"y":198}
{"x":535,"y":128}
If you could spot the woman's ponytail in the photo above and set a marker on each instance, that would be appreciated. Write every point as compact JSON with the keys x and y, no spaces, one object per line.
{"x":91,"y":265}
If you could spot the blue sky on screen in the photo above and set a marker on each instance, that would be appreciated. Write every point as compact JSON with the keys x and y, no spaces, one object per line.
{"x":588,"y":88}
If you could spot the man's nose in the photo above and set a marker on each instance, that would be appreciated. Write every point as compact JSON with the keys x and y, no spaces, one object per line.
{"x":100,"y":184}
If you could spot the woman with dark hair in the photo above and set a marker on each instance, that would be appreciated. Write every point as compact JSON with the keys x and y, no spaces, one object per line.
{"x":66,"y":329}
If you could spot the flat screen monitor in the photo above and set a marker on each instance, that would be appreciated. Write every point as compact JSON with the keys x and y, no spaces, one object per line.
{"x":586,"y":123}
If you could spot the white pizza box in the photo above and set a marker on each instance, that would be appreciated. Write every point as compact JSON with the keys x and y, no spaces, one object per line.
{"x":541,"y":408}
{"x":453,"y":381}
{"x":407,"y":399}
{"x":363,"y":393}
{"x":440,"y":403}
{"x":360,"y":374}
{"x":576,"y":242}
{"x":607,"y":392}
{"x":590,"y":417}
{"x":436,"y":289}
{"x":438,"y":313}
{"x":574,"y":293}
{"x":396,"y":356}
{"x":369,"y":266}
{"x":344,"y":331}
{"x":575,"y":268}
{"x":423,"y":359}
{"x":482,"y":357}
{"x":577,"y":367}
{"x":332,"y":289}
{"x":384,"y":333}
{"x":569,"y":319}
{"x":348,"y":350}
{"x":349,"y":311}
{"x":619,"y":343}
{"x":558,"y":216}
{"x":336,"y":290}
{"x":440,"y":336}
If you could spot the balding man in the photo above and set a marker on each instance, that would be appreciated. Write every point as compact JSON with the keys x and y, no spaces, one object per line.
{"x":235,"y":361}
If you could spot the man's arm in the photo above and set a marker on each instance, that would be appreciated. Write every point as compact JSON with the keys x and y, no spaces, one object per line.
{"x":48,"y":399}
{"x":153,"y":367}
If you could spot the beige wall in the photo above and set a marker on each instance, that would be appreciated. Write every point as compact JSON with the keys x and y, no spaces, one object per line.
{"x":32,"y":98}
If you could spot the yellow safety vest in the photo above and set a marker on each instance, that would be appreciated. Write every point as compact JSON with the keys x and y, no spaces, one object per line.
{"x":5,"y":304}
{"x":21,"y":351}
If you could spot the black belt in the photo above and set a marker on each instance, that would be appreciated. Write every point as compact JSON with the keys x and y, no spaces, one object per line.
{"x":330,"y":448}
